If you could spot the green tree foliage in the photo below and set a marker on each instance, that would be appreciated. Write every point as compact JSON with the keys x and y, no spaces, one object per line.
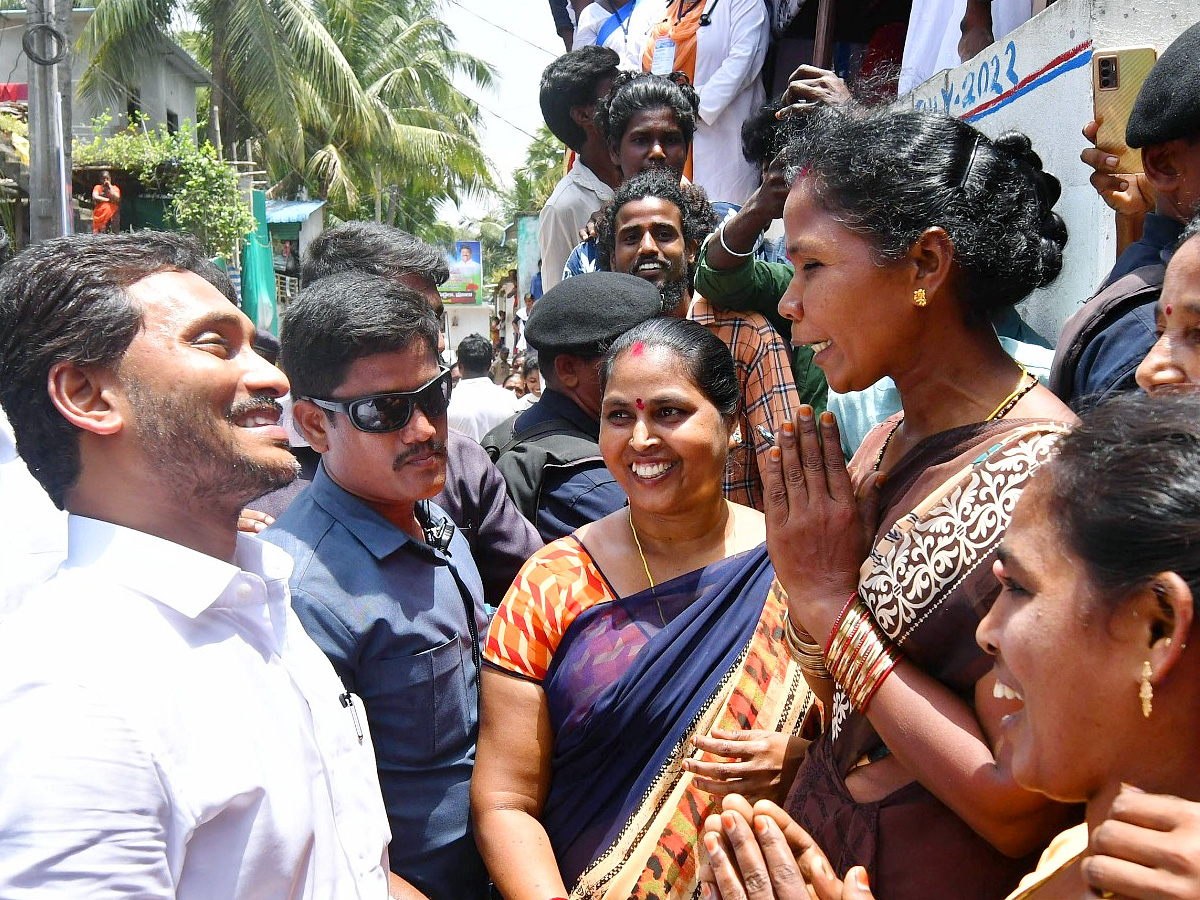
{"x":205,"y":198}
{"x":345,"y":98}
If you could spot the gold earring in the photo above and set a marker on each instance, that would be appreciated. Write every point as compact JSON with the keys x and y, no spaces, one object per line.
{"x":919,"y":298}
{"x":1146,"y":691}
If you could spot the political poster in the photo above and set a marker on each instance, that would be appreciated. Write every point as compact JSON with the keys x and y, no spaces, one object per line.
{"x":465,"y":284}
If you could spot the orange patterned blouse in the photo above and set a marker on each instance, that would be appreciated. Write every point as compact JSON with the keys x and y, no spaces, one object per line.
{"x":555,"y":585}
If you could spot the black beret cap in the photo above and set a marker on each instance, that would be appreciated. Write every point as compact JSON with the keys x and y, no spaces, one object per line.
{"x":590,"y":311}
{"x":1168,"y":105}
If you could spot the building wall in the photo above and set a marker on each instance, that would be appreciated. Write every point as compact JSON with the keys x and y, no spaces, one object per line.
{"x":1038,"y":80}
{"x":163,"y":86}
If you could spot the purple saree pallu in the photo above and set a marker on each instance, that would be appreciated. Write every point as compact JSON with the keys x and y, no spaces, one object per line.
{"x":632,"y":680}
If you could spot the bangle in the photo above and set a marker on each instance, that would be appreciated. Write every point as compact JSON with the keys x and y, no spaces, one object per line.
{"x":805,"y":651}
{"x":725,"y":246}
{"x":859,"y":657}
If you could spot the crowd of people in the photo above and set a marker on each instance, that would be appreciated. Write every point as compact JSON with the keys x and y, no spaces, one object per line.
{"x":791,"y":564}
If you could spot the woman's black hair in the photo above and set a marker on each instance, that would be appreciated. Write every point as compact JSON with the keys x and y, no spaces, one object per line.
{"x":705,"y":357}
{"x":890,"y":175}
{"x":635,"y":92}
{"x":1124,"y":491}
{"x":763,"y":135}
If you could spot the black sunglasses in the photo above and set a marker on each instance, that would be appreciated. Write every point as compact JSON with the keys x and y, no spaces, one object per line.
{"x":380,"y":413}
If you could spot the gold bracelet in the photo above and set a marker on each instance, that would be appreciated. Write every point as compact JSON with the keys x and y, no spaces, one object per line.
{"x":860,"y":657}
{"x":806,"y":653}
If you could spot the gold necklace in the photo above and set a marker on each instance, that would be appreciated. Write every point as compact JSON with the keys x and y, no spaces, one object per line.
{"x":646,"y":567}
{"x":1006,"y":406}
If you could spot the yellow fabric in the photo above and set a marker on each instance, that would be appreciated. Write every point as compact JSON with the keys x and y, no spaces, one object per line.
{"x":1063,"y":850}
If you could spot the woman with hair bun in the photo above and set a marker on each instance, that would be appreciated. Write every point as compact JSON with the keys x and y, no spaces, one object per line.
{"x":1094,"y":629}
{"x":906,"y":229}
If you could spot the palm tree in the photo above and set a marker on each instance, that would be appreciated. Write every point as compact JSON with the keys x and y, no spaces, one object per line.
{"x":418,"y":143}
{"x":263,"y":54}
{"x":346,"y":97}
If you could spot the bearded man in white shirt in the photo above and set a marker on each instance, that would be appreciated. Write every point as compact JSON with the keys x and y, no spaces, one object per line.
{"x":167,"y":729}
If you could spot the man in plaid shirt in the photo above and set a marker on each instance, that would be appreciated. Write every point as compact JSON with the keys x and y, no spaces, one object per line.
{"x":653,"y":229}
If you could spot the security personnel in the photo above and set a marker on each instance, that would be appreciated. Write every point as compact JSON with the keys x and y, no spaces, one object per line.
{"x":549,"y":454}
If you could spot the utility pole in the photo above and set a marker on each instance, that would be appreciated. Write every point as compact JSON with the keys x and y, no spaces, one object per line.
{"x":47,"y":45}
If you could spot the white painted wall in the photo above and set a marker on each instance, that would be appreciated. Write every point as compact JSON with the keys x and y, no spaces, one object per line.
{"x":1038,"y":80}
{"x":463,"y":319}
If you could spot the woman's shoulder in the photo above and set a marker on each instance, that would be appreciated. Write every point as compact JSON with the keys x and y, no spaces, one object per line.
{"x":749,"y":528}
{"x":566,"y":554}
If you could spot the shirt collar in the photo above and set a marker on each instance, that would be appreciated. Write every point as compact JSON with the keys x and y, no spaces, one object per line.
{"x":590,"y":180}
{"x":373,"y":531}
{"x":1162,"y":232}
{"x":553,"y":403}
{"x":178,"y":577}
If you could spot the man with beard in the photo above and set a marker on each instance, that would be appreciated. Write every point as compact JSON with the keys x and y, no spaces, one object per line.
{"x":167,"y":729}
{"x":384,"y":582}
{"x":653,"y":229}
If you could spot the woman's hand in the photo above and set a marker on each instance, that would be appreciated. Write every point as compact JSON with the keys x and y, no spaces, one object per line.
{"x":818,"y":530}
{"x":763,"y":765}
{"x":1147,"y":849}
{"x":775,"y":859}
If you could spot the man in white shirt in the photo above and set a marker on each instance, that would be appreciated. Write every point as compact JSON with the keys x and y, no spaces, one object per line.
{"x":570,"y":87}
{"x":478,"y":404}
{"x":167,"y":729}
{"x":33,"y":533}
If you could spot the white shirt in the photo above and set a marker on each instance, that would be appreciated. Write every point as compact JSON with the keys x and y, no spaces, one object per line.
{"x":478,"y":405}
{"x":729,"y":58}
{"x":576,"y":196}
{"x":628,"y":39}
{"x":935,"y":28}
{"x":167,"y":729}
{"x":33,"y":531}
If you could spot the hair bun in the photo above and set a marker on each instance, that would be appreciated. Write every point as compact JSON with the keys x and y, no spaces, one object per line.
{"x":1051,"y":228}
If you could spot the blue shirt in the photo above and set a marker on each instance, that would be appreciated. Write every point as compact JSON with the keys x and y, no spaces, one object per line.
{"x":574,"y":495}
{"x":1109,"y":362}
{"x":401,"y":623}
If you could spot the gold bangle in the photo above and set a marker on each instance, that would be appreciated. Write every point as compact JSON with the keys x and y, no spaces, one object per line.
{"x":806,"y":653}
{"x":860,"y":657}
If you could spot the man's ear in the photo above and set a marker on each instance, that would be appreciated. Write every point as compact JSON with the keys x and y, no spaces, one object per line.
{"x":1158,"y":162}
{"x":87,"y":397}
{"x":582,"y":116}
{"x":693,"y":251}
{"x":614,"y":153}
{"x":931,"y":256}
{"x":313,"y":423}
{"x":566,"y":369}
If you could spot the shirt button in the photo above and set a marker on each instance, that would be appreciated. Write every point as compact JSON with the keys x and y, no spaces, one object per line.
{"x":244,"y":591}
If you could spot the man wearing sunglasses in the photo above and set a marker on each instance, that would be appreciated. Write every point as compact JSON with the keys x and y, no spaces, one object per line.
{"x":474,"y":495}
{"x":383,"y":581}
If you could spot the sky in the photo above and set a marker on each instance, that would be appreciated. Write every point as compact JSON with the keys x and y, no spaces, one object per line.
{"x":517,"y":37}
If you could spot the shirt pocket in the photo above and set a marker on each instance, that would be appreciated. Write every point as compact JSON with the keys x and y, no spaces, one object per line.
{"x":419,"y":707}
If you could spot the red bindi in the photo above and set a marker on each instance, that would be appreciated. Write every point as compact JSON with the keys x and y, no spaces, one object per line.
{"x":640,"y":404}
{"x":1168,"y":309}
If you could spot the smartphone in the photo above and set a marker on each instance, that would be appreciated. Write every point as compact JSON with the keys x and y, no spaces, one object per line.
{"x":1117,"y":77}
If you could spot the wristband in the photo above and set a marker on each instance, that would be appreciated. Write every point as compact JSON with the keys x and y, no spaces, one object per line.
{"x":725,"y":246}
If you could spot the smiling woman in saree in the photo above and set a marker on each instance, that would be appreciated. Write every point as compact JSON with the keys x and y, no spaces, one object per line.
{"x":635,"y":670}
{"x":907,"y":230}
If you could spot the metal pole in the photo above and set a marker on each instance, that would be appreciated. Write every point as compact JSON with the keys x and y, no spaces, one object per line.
{"x":48,"y":36}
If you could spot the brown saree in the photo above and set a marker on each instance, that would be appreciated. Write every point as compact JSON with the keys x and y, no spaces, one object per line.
{"x":928,"y":582}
